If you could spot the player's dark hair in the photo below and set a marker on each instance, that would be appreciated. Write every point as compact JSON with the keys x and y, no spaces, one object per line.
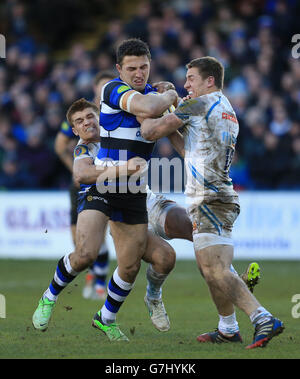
{"x":78,"y":106}
{"x":209,"y":66}
{"x":107,"y":74}
{"x":132,"y":46}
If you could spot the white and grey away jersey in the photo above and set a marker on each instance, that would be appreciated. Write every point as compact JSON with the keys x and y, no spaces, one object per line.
{"x":210,"y":132}
{"x":86,"y":150}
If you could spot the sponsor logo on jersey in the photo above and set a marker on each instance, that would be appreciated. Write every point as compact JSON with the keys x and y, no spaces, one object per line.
{"x":80,"y":150}
{"x":229,"y":117}
{"x":123,"y":89}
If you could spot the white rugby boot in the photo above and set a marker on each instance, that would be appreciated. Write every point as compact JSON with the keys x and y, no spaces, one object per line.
{"x":158,"y":314}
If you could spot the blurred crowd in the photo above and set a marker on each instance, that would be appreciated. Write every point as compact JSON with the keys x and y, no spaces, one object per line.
{"x":251,"y":38}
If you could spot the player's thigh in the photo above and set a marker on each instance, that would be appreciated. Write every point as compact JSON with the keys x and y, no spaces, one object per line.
{"x":90,"y":231}
{"x":178,"y":224}
{"x":159,"y":253}
{"x":130,"y":241}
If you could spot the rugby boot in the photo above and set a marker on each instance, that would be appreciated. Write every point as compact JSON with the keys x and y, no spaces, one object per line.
{"x":265,"y":332}
{"x":251,"y":276}
{"x":218,"y":337}
{"x":112,"y":331}
{"x":42,"y":314}
{"x":158,"y":314}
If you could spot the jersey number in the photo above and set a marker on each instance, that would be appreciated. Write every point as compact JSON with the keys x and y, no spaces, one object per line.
{"x":229,"y":156}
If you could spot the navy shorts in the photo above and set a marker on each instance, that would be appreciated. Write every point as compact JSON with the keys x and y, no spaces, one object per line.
{"x":127,"y":208}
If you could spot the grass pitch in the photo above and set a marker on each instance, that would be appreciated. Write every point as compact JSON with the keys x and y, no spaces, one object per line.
{"x":187,"y":301}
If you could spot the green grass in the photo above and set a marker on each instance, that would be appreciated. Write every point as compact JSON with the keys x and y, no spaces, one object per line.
{"x":187,"y":301}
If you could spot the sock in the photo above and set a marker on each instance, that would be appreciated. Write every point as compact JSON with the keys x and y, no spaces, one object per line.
{"x":117,"y":291}
{"x":64,"y":274}
{"x":100,"y":268}
{"x":228,"y":325}
{"x":260,"y":315}
{"x":154,"y":283}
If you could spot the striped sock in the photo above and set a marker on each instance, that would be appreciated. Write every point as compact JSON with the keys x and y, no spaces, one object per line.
{"x":100,"y":269}
{"x":260,"y":315}
{"x":64,"y":274}
{"x":117,"y":291}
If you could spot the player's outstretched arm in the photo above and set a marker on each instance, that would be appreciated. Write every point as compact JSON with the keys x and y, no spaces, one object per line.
{"x":85,"y":172}
{"x":153,"y":129}
{"x":147,"y":106}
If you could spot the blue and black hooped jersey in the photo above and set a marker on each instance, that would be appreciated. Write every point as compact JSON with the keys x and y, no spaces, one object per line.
{"x":119,"y":130}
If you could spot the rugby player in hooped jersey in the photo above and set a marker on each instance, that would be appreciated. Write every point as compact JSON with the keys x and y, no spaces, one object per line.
{"x":122,"y":100}
{"x":210,"y":130}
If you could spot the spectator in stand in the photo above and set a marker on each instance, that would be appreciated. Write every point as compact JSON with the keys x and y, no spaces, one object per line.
{"x":268,"y":170}
{"x":37,"y":159}
{"x":280,"y":123}
{"x":137,"y":27}
{"x":15,"y":177}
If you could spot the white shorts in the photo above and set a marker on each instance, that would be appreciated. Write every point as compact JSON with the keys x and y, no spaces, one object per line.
{"x":158,"y":207}
{"x":214,"y":217}
{"x":212,"y":223}
{"x":203,"y":240}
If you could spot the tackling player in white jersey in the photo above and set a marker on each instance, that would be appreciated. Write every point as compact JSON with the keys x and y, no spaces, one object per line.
{"x":210,"y":130}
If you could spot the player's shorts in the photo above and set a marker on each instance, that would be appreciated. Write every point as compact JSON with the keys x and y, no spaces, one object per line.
{"x":213,"y":223}
{"x":73,"y":191}
{"x":127,"y":208}
{"x":158,"y":207}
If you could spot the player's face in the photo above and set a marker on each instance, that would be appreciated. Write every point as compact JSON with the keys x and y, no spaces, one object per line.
{"x":86,"y":124}
{"x":195,"y":84}
{"x":135,"y":71}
